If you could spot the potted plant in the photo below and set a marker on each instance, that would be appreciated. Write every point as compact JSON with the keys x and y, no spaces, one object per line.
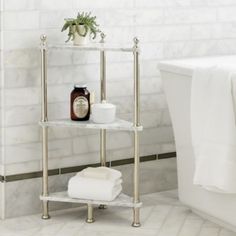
{"x":81,"y":28}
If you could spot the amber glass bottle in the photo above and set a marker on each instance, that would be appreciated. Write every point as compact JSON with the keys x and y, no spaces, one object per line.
{"x":80,"y":103}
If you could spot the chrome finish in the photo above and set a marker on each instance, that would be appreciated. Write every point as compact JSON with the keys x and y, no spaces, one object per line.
{"x":90,"y":218}
{"x":44,"y":118}
{"x":136,"y":220}
{"x":45,"y":215}
{"x":103,"y":36}
{"x":102,"y":98}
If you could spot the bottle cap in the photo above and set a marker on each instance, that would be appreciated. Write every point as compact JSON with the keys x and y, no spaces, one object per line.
{"x":80,"y":85}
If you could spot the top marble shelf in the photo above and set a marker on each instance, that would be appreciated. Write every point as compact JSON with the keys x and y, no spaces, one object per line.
{"x":95,"y":47}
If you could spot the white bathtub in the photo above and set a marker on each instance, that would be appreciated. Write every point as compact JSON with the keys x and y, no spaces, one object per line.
{"x":176,"y":76}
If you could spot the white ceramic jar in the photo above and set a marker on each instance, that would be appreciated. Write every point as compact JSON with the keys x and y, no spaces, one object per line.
{"x":103,"y":113}
{"x":81,"y":40}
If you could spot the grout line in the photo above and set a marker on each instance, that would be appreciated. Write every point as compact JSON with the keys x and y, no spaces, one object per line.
{"x":164,"y":221}
{"x":183,"y":223}
{"x":200,"y":230}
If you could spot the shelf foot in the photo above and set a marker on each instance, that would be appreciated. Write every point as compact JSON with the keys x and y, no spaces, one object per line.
{"x":45,"y":217}
{"x":136,"y":224}
{"x":90,"y":218}
{"x":102,"y":207}
{"x":89,"y":221}
{"x":136,"y":221}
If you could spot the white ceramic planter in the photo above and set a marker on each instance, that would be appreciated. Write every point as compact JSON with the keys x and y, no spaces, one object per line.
{"x":103,"y":113}
{"x":80,"y":40}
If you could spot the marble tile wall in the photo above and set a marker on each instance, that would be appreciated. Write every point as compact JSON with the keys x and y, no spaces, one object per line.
{"x":166,"y":29}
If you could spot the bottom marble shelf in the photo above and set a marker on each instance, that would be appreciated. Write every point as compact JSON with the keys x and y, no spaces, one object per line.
{"x":122,"y":200}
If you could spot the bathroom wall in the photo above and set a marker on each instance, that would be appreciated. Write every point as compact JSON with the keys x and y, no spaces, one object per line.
{"x":166,"y":29}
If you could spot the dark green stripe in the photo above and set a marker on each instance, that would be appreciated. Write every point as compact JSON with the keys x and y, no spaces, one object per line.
{"x":67,"y":170}
{"x":31,"y":175}
{"x":166,"y":155}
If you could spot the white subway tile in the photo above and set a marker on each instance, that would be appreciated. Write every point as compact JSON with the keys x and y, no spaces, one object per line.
{"x":21,"y":39}
{"x":60,"y":148}
{"x":226,"y":14}
{"x":164,"y":33}
{"x":22,"y":134}
{"x":157,"y":135}
{"x":22,"y":167}
{"x":88,"y":4}
{"x":27,"y":58}
{"x":15,"y":5}
{"x":55,"y":19}
{"x":56,"y":4}
{"x":150,"y":17}
{"x":189,"y":15}
{"x":22,"y":115}
{"x":161,"y":3}
{"x":19,"y":77}
{"x":23,"y":153}
{"x":21,"y":20}
{"x":22,"y":96}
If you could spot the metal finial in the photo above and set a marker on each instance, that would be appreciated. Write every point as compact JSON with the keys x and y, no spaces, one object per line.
{"x":102,"y":37}
{"x":136,"y":41}
{"x":43,"y":38}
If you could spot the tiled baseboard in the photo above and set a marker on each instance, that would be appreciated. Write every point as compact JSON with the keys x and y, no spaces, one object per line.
{"x":67,"y":170}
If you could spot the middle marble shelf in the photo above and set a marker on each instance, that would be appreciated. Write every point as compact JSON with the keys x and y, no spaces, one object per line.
{"x":117,"y":125}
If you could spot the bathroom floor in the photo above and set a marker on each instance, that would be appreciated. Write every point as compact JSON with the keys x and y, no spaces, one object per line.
{"x":161,"y":215}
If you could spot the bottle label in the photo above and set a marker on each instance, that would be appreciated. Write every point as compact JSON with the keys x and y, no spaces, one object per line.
{"x":80,"y":106}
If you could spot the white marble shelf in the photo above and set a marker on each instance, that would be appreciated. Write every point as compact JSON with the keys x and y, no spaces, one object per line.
{"x":122,"y":200}
{"x":117,"y":125}
{"x":94,"y":47}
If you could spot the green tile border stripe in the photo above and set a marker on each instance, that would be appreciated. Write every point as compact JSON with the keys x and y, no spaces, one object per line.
{"x":67,"y":170}
{"x":166,"y":155}
{"x":30,"y":175}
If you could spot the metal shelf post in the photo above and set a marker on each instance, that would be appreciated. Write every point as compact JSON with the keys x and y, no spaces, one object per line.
{"x":44,"y":118}
{"x":136,"y":220}
{"x":102,"y":98}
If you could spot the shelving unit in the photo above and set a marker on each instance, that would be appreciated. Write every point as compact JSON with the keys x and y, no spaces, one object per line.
{"x":122,"y":200}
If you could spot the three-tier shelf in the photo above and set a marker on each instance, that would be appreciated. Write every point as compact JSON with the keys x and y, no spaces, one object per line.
{"x":122,"y":200}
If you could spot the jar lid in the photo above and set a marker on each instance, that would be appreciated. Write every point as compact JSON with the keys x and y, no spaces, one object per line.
{"x":80,"y":85}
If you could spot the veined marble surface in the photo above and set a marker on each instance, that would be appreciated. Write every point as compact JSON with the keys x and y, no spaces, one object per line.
{"x":122,"y":200}
{"x":161,"y":215}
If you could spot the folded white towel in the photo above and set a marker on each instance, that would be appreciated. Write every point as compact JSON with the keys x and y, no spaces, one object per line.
{"x":213,"y":129}
{"x":96,"y":172}
{"x":94,"y":189}
{"x":101,"y":173}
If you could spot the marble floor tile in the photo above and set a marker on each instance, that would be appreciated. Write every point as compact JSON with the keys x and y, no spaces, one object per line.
{"x":161,"y":215}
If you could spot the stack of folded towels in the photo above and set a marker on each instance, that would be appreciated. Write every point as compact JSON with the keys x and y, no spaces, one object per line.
{"x":100,"y":183}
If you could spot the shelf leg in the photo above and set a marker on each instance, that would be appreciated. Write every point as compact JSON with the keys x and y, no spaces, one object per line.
{"x":102,"y":207}
{"x":45,"y":215}
{"x":136,"y":220}
{"x":90,"y":218}
{"x":103,"y":98}
{"x":103,"y":147}
{"x":44,"y":129}
{"x":136,"y":211}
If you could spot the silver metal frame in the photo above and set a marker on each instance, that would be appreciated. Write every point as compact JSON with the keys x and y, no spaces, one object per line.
{"x":103,"y":98}
{"x":44,"y":118}
{"x":136,"y":123}
{"x":136,"y":220}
